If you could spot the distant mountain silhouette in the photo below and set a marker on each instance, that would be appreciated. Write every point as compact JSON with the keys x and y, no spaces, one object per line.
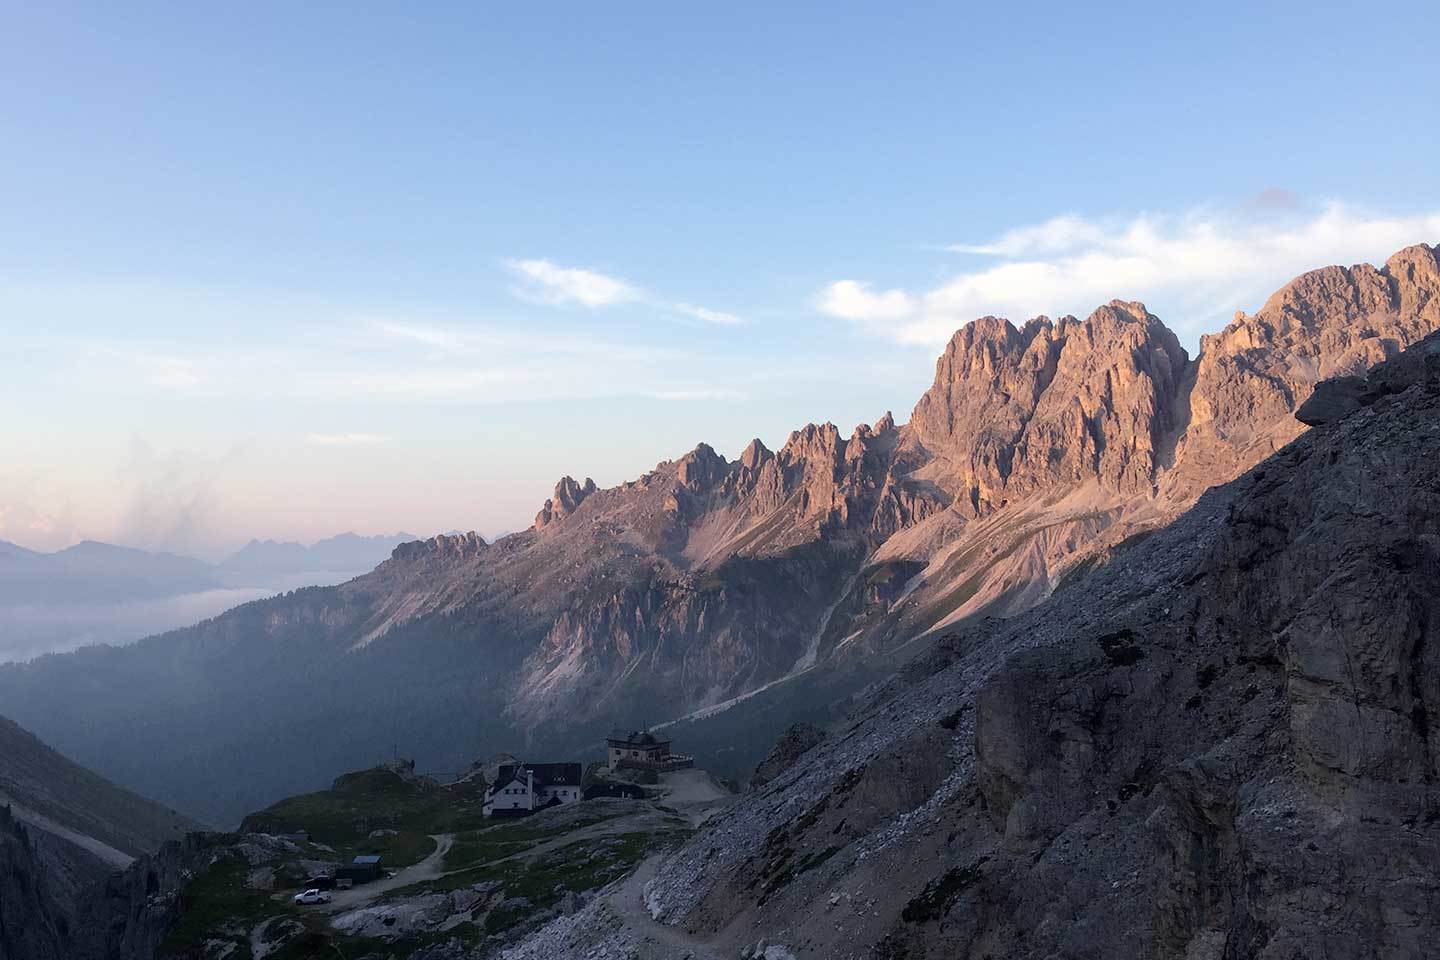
{"x":96,"y":592}
{"x":345,"y":552}
{"x":94,"y":572}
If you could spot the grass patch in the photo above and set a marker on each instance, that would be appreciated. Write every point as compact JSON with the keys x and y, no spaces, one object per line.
{"x":504,"y":917}
{"x":358,"y":804}
{"x":584,"y":865}
{"x":220,"y":905}
{"x":362,"y":803}
{"x":400,"y":850}
{"x":580,"y":866}
{"x":472,"y":853}
{"x":320,"y":941}
{"x":530,"y":830}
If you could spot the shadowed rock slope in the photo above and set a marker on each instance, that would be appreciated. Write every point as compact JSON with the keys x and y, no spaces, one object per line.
{"x":1222,"y":744}
{"x":1035,"y":452}
{"x":33,"y":924}
{"x":41,"y":783}
{"x":80,"y":826}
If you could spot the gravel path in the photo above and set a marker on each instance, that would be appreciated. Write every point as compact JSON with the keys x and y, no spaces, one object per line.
{"x":431,"y":868}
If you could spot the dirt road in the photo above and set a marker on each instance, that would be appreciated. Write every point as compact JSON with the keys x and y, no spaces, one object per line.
{"x":430,"y":868}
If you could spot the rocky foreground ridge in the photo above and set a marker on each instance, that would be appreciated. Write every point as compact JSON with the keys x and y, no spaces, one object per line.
{"x":1221,"y":744}
{"x":1035,"y":453}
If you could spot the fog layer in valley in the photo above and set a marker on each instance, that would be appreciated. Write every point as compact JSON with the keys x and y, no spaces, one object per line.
{"x":30,"y":630}
{"x":96,"y":592}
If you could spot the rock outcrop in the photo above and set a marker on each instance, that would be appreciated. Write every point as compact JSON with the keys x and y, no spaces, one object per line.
{"x":33,"y":924}
{"x":1336,"y":399}
{"x":1326,"y":323}
{"x":1221,"y":744}
{"x":1016,"y":411}
{"x":568,"y":497}
{"x":792,"y":745}
{"x":131,"y":915}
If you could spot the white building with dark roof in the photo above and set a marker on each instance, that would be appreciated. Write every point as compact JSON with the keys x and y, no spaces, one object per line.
{"x":643,"y":750}
{"x":523,"y":788}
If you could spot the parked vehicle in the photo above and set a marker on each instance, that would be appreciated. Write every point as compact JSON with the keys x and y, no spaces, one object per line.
{"x":312,"y":896}
{"x":321,"y":882}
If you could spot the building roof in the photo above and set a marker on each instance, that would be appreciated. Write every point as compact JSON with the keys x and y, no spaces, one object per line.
{"x":367,"y":860}
{"x":637,"y":738}
{"x":502,"y":782}
{"x":546,"y":774}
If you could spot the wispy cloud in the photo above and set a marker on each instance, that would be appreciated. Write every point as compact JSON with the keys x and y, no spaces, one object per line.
{"x":705,"y":315}
{"x":698,"y":394}
{"x":551,"y":283}
{"x":346,"y":439}
{"x":546,"y":282}
{"x":1193,"y":270}
{"x":377,"y":361}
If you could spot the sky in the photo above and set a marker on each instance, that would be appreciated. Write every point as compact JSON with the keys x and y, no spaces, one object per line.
{"x":284,"y":270}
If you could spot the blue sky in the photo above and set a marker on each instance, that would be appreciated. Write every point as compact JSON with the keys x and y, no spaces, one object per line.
{"x":285,"y":270}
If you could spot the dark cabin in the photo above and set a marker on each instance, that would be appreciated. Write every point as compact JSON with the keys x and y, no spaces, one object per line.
{"x":363,"y":869}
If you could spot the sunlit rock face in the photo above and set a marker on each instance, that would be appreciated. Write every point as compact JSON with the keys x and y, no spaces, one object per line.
{"x":1037,"y":451}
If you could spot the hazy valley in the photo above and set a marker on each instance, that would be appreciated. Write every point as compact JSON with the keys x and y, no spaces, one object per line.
{"x":1035,"y":453}
{"x":93,"y":593}
{"x":1110,"y":652}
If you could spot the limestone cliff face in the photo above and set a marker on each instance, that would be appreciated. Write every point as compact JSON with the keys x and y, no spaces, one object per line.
{"x":33,"y":924}
{"x":1252,"y":375}
{"x":1036,"y":451}
{"x":1013,"y":412}
{"x":1222,"y":744}
{"x":131,"y":914}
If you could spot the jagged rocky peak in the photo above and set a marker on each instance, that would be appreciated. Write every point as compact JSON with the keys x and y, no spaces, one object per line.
{"x":755,"y":455}
{"x":701,"y":468}
{"x":812,"y":442}
{"x":1331,"y":322}
{"x":443,"y":545}
{"x":567,"y":498}
{"x":1220,"y":745}
{"x":1017,"y":410}
{"x":864,"y":431}
{"x":758,"y":479}
{"x":812,"y":458}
